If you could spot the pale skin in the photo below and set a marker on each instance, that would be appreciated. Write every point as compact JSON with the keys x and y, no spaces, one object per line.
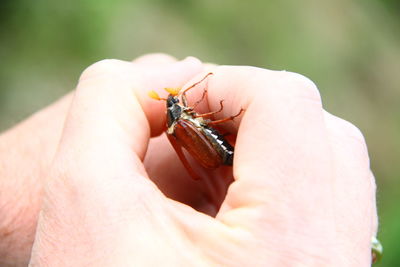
{"x":78,"y":179}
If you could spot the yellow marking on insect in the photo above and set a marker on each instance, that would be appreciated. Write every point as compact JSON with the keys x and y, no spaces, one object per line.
{"x":173,"y":91}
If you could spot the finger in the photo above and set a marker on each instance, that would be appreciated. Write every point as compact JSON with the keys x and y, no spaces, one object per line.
{"x":276,"y":104}
{"x":155,"y":59}
{"x":169,"y":174}
{"x":28,"y":150}
{"x":107,"y":131}
{"x":354,"y":183}
{"x":209,"y":67}
{"x":98,"y":180}
{"x":282,"y":165}
{"x":48,"y":123}
{"x":116,"y":92}
{"x":157,"y":78}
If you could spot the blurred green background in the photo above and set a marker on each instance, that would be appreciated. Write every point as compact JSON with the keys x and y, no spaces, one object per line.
{"x":350,"y":48}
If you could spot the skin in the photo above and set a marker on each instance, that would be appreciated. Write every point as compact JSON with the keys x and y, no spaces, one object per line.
{"x":84,"y":171}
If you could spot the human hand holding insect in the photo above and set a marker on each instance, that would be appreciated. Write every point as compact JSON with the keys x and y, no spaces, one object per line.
{"x":189,"y":129}
{"x":195,"y":133}
{"x":302,"y":194}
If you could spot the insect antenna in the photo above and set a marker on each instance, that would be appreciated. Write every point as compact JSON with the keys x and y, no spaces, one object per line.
{"x":153,"y":94}
{"x":173,"y":91}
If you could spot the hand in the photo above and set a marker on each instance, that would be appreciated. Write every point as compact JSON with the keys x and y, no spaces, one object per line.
{"x":26,"y":153}
{"x":303,"y":193}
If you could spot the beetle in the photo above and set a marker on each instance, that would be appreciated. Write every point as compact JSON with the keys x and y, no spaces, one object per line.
{"x":188,"y":129}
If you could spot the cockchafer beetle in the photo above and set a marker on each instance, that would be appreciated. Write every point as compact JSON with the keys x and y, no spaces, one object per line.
{"x":192,"y":131}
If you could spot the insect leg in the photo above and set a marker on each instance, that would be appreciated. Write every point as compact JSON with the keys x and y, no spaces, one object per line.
{"x":201,"y":99}
{"x":210,"y":113}
{"x":178,"y":150}
{"x":226,"y":119}
{"x":184,"y":100}
{"x":191,"y":109}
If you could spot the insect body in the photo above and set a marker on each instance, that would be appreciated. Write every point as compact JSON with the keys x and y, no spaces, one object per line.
{"x":204,"y":143}
{"x":190,"y":130}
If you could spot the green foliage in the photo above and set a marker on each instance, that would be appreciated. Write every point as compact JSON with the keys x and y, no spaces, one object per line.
{"x":349,"y":48}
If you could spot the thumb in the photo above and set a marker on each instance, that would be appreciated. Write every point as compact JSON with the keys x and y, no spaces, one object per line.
{"x":98,"y":185}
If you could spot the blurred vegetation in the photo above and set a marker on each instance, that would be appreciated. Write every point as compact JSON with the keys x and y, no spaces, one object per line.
{"x":350,"y":48}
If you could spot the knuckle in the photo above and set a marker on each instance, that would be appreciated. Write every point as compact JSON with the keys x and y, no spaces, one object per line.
{"x":301,"y":86}
{"x":353,"y":132}
{"x":155,"y":58}
{"x":350,"y":135}
{"x":348,"y":138}
{"x":105,"y":67}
